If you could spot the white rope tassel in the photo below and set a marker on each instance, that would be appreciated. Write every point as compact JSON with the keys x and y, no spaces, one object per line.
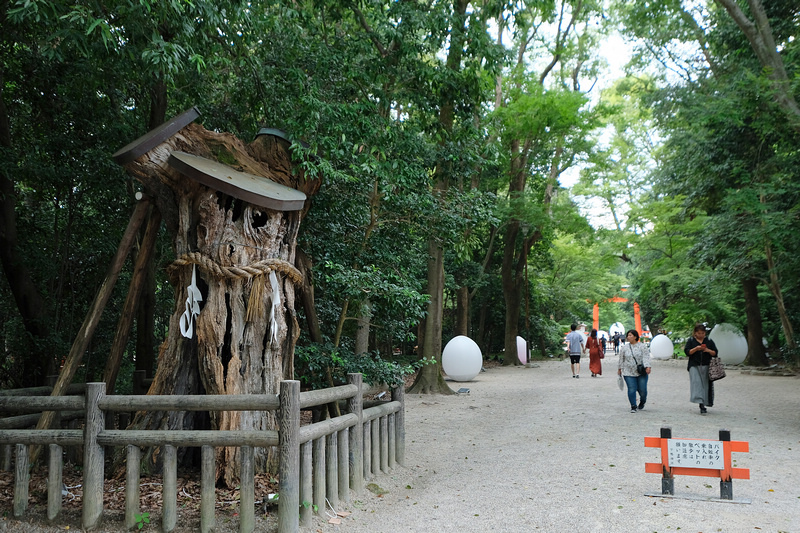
{"x":193,"y":299}
{"x":276,"y":303}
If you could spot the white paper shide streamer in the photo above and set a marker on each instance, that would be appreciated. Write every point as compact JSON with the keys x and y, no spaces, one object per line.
{"x":193,"y":299}
{"x":276,"y":303}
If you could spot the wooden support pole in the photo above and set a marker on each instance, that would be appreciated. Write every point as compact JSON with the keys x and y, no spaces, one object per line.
{"x":289,"y":464}
{"x":85,"y":334}
{"x":367,"y":450}
{"x":131,"y":300}
{"x":399,"y":395}
{"x":93,"y":457}
{"x":169,"y":495}
{"x":21,"y":480}
{"x":392,"y":442}
{"x":54,"y":481}
{"x":247,"y":492}
{"x":132,"y":468}
{"x":376,"y":445}
{"x":207,"y":488}
{"x":356,"y":433}
{"x":385,"y":444}
{"x":332,"y":469}
{"x":344,"y":465}
{"x":319,"y":474}
{"x":306,"y":484}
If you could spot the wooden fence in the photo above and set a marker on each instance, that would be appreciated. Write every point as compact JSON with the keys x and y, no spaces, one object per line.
{"x":317,"y":462}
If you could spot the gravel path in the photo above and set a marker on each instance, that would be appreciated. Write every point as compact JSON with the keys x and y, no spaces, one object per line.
{"x":531,"y":449}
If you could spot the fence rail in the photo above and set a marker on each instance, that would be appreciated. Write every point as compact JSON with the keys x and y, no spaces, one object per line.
{"x":318,"y":463}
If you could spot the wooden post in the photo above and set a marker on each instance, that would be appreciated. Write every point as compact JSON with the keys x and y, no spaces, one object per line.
{"x":54,"y":482}
{"x":21,"y":481}
{"x":208,"y":490}
{"x":392,"y":443}
{"x":289,"y":462}
{"x":667,"y":479}
{"x":92,"y":319}
{"x":319,"y":474}
{"x":367,"y":453}
{"x":355,"y":405}
{"x":306,"y":484}
{"x":332,"y":469}
{"x":132,"y":467}
{"x":247,"y":493}
{"x":169,"y":494}
{"x":376,"y":445}
{"x":399,"y":395}
{"x":93,"y":457}
{"x":725,"y":482}
{"x":385,"y":444}
{"x":131,"y":301}
{"x":344,"y":465}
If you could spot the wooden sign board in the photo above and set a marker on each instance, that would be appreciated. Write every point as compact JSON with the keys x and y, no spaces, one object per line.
{"x":693,"y":457}
{"x":253,"y":189}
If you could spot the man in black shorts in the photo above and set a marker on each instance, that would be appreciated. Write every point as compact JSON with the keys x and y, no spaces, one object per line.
{"x":576,"y":346}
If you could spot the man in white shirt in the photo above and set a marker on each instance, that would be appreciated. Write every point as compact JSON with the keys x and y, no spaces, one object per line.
{"x":576,"y":346}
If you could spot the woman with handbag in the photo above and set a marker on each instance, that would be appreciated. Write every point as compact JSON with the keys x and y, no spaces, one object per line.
{"x":700,"y":350}
{"x":595,"y":354}
{"x":634,"y":366}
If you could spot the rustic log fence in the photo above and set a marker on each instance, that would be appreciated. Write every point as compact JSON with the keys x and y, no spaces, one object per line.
{"x":318,"y":463}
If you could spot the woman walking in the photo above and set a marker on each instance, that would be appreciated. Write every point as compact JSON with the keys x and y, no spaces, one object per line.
{"x":595,"y":351}
{"x":700,"y":351}
{"x":631,"y":356}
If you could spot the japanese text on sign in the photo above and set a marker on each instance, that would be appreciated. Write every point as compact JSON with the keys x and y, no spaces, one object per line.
{"x":695,"y":453}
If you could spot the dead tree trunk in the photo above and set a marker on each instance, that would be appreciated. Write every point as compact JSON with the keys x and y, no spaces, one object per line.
{"x":237,"y":347}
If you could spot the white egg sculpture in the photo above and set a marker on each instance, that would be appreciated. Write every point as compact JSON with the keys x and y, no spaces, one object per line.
{"x":617,"y":327}
{"x":731,"y":344}
{"x":462,"y":359}
{"x":661,"y":347}
{"x":522,"y":350}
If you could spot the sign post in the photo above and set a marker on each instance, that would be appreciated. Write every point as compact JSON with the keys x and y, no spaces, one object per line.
{"x":695,"y":457}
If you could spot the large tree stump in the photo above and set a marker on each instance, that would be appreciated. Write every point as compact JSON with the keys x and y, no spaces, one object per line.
{"x":234,"y":245}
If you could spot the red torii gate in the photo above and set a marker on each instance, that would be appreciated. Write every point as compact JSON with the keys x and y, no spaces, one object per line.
{"x":637,"y":316}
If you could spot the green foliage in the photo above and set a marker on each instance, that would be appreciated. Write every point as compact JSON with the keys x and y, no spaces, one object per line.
{"x":141,"y":519}
{"x":317,"y":360}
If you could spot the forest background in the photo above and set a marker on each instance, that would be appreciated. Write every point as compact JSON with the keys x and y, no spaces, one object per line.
{"x":442,"y":133}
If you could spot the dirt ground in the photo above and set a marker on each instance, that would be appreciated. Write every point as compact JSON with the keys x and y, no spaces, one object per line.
{"x":533,"y":449}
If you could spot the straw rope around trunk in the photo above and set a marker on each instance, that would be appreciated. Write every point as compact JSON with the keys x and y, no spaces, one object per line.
{"x":259,"y":268}
{"x":254,"y":274}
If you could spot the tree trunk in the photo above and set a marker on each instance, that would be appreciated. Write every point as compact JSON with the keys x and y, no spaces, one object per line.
{"x":756,"y":356}
{"x":33,"y":368}
{"x":775,"y":287}
{"x":362,"y":333}
{"x":462,"y":311}
{"x":236,"y":348}
{"x":429,"y":379}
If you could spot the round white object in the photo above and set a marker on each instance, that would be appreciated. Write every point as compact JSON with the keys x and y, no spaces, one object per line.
{"x":462,"y":359}
{"x":616,"y":327}
{"x":731,"y":344}
{"x":661,"y":347}
{"x":522,"y":350}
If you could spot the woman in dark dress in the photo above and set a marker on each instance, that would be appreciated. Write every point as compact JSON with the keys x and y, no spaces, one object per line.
{"x":700,"y":350}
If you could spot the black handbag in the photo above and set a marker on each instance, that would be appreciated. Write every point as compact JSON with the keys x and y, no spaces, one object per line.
{"x":639,"y":366}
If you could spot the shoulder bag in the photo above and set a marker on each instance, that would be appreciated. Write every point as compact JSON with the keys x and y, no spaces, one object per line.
{"x":639,"y":366}
{"x":716,"y":370}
